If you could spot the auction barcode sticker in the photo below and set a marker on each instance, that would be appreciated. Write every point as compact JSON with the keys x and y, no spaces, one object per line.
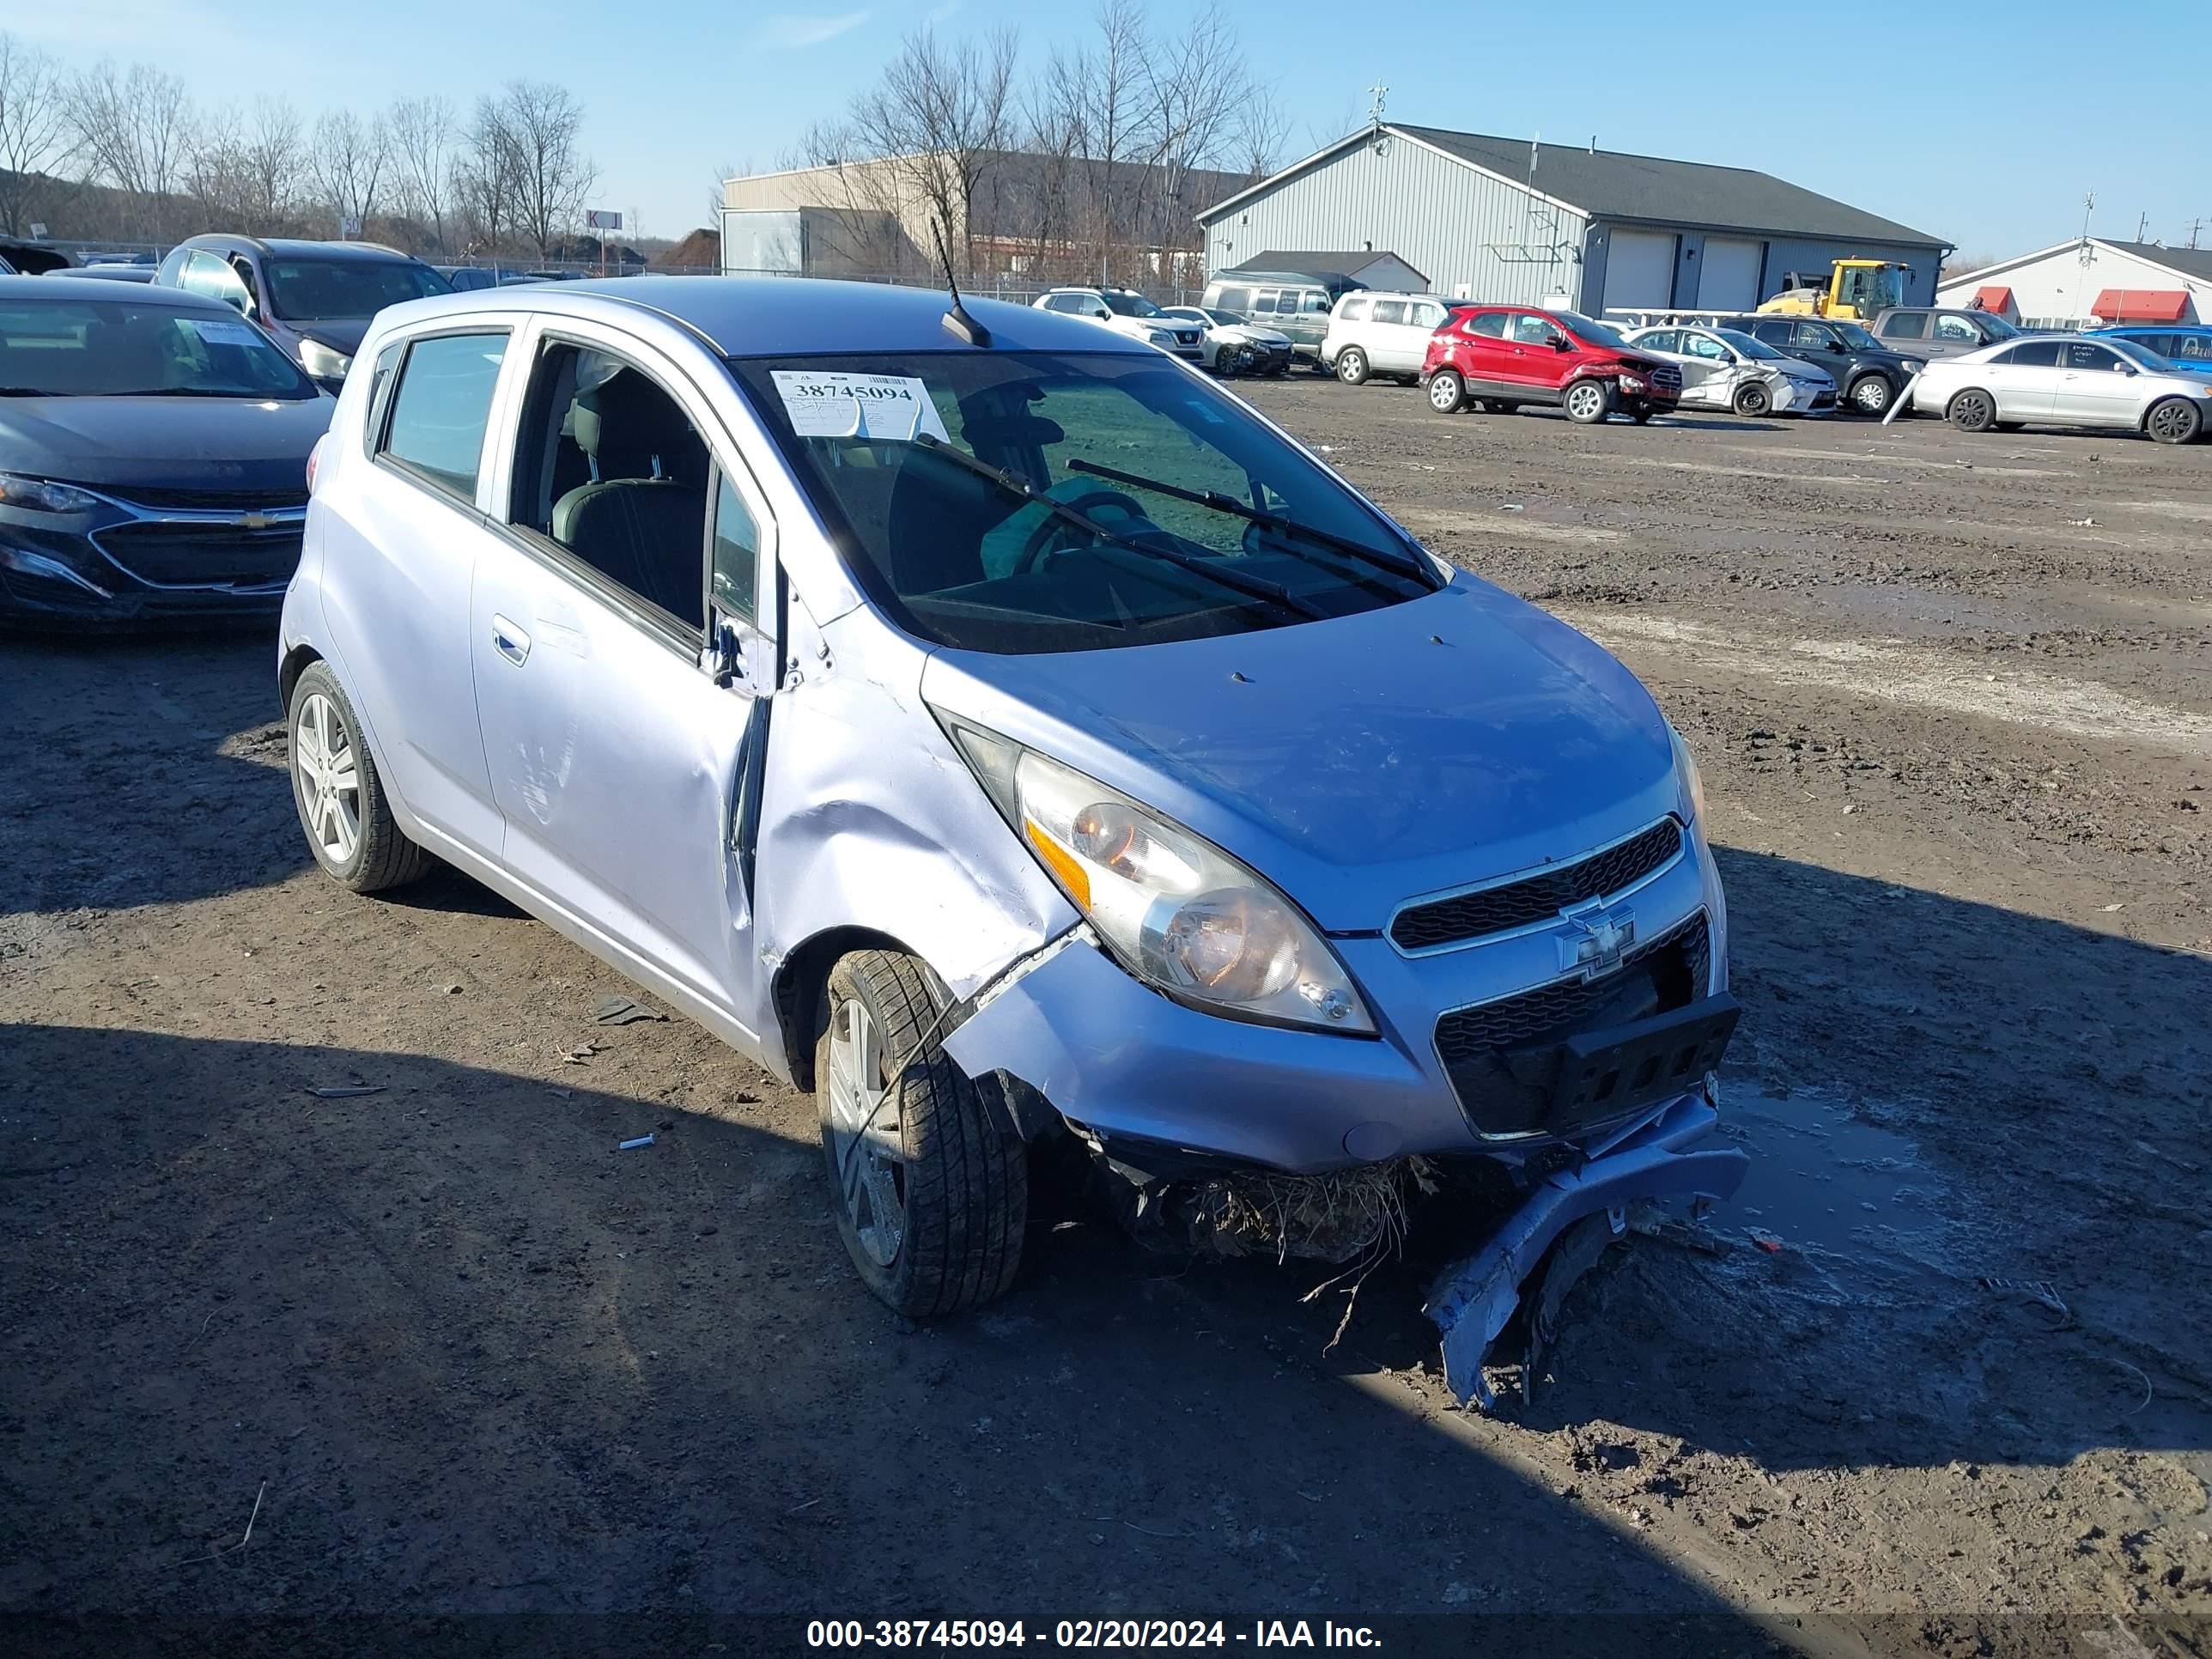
{"x":838,"y":405}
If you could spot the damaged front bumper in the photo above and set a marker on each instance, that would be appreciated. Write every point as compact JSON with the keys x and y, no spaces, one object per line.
{"x":1473,"y":1300}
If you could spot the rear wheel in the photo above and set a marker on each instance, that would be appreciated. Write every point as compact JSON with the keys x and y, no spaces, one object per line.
{"x":1972,"y":410}
{"x":340,"y":797}
{"x":1589,"y":402}
{"x":1447,"y":391}
{"x":1752,"y":400}
{"x":2174,"y":421}
{"x":1872,"y":394}
{"x":931,"y":1196}
{"x":1352,"y":366}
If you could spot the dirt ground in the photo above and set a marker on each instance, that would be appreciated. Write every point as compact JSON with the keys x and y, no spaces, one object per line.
{"x":449,"y":1352}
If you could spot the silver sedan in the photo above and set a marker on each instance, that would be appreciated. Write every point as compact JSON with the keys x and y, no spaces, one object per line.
{"x":2053,"y":380}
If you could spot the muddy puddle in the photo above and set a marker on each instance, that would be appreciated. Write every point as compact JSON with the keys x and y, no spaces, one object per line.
{"x":1826,"y":1183}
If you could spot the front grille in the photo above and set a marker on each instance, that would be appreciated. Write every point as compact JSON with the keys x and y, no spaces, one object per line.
{"x":1667,"y":973}
{"x":1668,"y":375}
{"x":202,"y":554}
{"x":264,"y":499}
{"x":1540,"y":897}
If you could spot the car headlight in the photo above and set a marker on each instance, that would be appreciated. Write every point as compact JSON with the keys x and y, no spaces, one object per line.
{"x":325,"y":364}
{"x":38,"y":496}
{"x":1631,"y":382}
{"x":1686,"y":775}
{"x":1914,"y":365}
{"x":1175,"y":911}
{"x":1159,"y":337}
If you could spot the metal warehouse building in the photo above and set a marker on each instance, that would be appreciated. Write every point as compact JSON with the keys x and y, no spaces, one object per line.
{"x":2089,"y":280}
{"x":1504,"y":219}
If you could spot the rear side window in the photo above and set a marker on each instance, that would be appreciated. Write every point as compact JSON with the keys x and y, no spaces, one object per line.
{"x":1664,"y":339}
{"x":1233,"y":298}
{"x":441,"y":407}
{"x":1775,"y":334}
{"x":1355,"y":311}
{"x":1389,"y":311}
{"x":1489,"y":323}
{"x":2035,"y":354}
{"x":1906,"y":326}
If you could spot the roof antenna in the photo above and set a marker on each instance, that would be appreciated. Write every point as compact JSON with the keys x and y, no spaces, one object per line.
{"x":956,"y":321}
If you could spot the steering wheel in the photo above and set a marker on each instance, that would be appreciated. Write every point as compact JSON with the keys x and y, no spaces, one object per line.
{"x":1089,"y":502}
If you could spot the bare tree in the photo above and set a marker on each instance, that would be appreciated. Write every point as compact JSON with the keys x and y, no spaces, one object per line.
{"x":1106,"y":95}
{"x":551,"y":175}
{"x":347,"y":161}
{"x":483,"y":180}
{"x":35,"y":136}
{"x":1262,"y":127}
{"x":422,"y":132}
{"x":133,"y":131}
{"x":938,"y":116}
{"x":1195,"y":90}
{"x":275,"y":154}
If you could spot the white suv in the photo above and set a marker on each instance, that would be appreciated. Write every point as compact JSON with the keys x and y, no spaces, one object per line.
{"x":1128,"y":311}
{"x":1375,"y":333}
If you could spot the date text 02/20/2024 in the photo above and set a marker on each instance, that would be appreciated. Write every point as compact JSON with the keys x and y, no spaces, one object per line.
{"x":1078,"y":1633}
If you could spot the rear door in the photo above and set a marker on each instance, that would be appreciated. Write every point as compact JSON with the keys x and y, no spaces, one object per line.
{"x":1381,"y":335}
{"x":1481,"y":348}
{"x":1423,"y":318}
{"x":630,"y":561}
{"x":2024,"y":380}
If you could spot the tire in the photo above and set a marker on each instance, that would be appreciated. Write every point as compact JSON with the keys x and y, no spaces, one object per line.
{"x":1493,"y":406}
{"x":1224,"y":361}
{"x":1352,"y":366}
{"x":933,"y":1210}
{"x":2010,"y":426}
{"x":1972,"y":410}
{"x":1589,"y":402}
{"x":1447,"y":391}
{"x":1641,"y":416}
{"x":1752,"y":401}
{"x":1871,"y":394}
{"x":349,"y":824}
{"x":2174,"y":421}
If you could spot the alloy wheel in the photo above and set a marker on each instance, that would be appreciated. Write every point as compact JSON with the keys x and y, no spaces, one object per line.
{"x":2173,"y":422}
{"x":328,"y":780}
{"x":1587,"y":401}
{"x":1871,"y":396}
{"x":864,"y":1133}
{"x":1445,"y":392}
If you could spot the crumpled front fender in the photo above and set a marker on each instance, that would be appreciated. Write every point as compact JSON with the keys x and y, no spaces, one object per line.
{"x":1473,"y":1299}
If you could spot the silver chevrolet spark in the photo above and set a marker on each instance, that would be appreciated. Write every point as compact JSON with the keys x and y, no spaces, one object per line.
{"x":1000,"y":729}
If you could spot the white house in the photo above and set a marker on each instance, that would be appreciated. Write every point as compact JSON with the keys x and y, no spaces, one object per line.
{"x":2092,"y":281}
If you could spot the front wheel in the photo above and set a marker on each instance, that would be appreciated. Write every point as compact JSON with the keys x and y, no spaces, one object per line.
{"x":931,"y":1196}
{"x":1871,"y":394}
{"x":1224,"y":361}
{"x":1972,"y":410}
{"x":1447,"y":391}
{"x":1352,"y":366}
{"x":2174,"y":421}
{"x":1752,"y":400}
{"x":340,"y":797}
{"x":1589,"y":402}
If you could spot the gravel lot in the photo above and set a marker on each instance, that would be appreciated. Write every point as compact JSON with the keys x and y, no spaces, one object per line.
{"x":452,"y":1353}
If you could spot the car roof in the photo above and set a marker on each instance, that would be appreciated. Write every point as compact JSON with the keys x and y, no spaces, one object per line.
{"x":136,"y":293}
{"x":782,"y":316}
{"x":298,"y":247}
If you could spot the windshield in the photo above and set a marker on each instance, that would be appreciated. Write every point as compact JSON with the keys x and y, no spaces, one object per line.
{"x":1031,"y":501}
{"x":102,"y":348}
{"x":1746,"y":346}
{"x":1589,"y":330}
{"x":343,"y":290}
{"x":1853,"y":337}
{"x":1131,"y":305}
{"x":2140,"y":356}
{"x":1226,"y":318}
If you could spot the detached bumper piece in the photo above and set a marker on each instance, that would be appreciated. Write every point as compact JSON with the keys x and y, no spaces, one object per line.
{"x":1474,"y":1300}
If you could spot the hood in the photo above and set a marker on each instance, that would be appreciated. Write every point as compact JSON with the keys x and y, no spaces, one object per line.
{"x":1803,"y":368}
{"x":176,"y":443}
{"x":1255,"y":336}
{"x":1357,"y":762}
{"x":343,"y":335}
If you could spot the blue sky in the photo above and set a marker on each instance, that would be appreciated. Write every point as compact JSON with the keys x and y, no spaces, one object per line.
{"x":1984,"y":126}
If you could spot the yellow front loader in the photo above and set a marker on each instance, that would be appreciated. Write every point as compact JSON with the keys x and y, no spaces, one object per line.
{"x":1858,"y":288}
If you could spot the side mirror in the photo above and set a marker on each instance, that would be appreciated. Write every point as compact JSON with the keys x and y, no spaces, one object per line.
{"x":1561,"y":343}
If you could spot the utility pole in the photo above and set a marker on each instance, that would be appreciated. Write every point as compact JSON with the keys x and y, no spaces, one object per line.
{"x":2194,"y":225}
{"x":2143,"y":224}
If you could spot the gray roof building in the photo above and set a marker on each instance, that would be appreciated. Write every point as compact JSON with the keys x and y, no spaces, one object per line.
{"x":1371,"y":267}
{"x":1506,"y":219}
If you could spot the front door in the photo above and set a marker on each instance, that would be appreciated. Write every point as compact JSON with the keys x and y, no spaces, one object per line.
{"x":2094,"y":386}
{"x":1533,"y":357}
{"x":620,"y":679}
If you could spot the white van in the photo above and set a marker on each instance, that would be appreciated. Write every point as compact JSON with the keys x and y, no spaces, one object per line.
{"x":1374,"y":333}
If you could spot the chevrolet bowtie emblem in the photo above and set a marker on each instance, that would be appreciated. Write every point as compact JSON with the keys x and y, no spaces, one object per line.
{"x":253,"y":522}
{"x":1596,"y":941}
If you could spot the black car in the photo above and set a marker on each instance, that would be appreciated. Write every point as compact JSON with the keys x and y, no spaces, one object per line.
{"x":314,"y":298}
{"x":1868,"y":374}
{"x":154,"y":449}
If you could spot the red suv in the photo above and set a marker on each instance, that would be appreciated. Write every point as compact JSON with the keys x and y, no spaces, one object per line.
{"x":1503,"y":356}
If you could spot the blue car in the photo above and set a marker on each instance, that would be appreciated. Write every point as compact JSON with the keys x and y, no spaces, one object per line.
{"x":979,"y":718}
{"x":2185,"y":345}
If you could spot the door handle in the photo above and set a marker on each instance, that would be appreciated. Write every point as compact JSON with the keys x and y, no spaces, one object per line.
{"x":510,"y":642}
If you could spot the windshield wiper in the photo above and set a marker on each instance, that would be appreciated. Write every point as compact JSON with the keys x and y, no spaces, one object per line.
{"x":1229,"y":504}
{"x":1258,"y":587}
{"x":32,"y":391}
{"x":181,"y":392}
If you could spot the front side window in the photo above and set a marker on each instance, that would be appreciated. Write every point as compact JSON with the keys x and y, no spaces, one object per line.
{"x":210,"y":275}
{"x":1745,"y":346}
{"x":2192,"y":346}
{"x":2081,"y":355}
{"x":736,"y":555}
{"x":1703,"y":345}
{"x":1315,"y":300}
{"x":125,"y":348}
{"x":1807,"y":337}
{"x":1528,"y":330}
{"x":307,"y":290}
{"x":1958,"y":328}
{"x":1028,"y":501}
{"x":1904,"y":325}
{"x":441,"y":407}
{"x":1131,"y":305}
{"x":610,"y":470}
